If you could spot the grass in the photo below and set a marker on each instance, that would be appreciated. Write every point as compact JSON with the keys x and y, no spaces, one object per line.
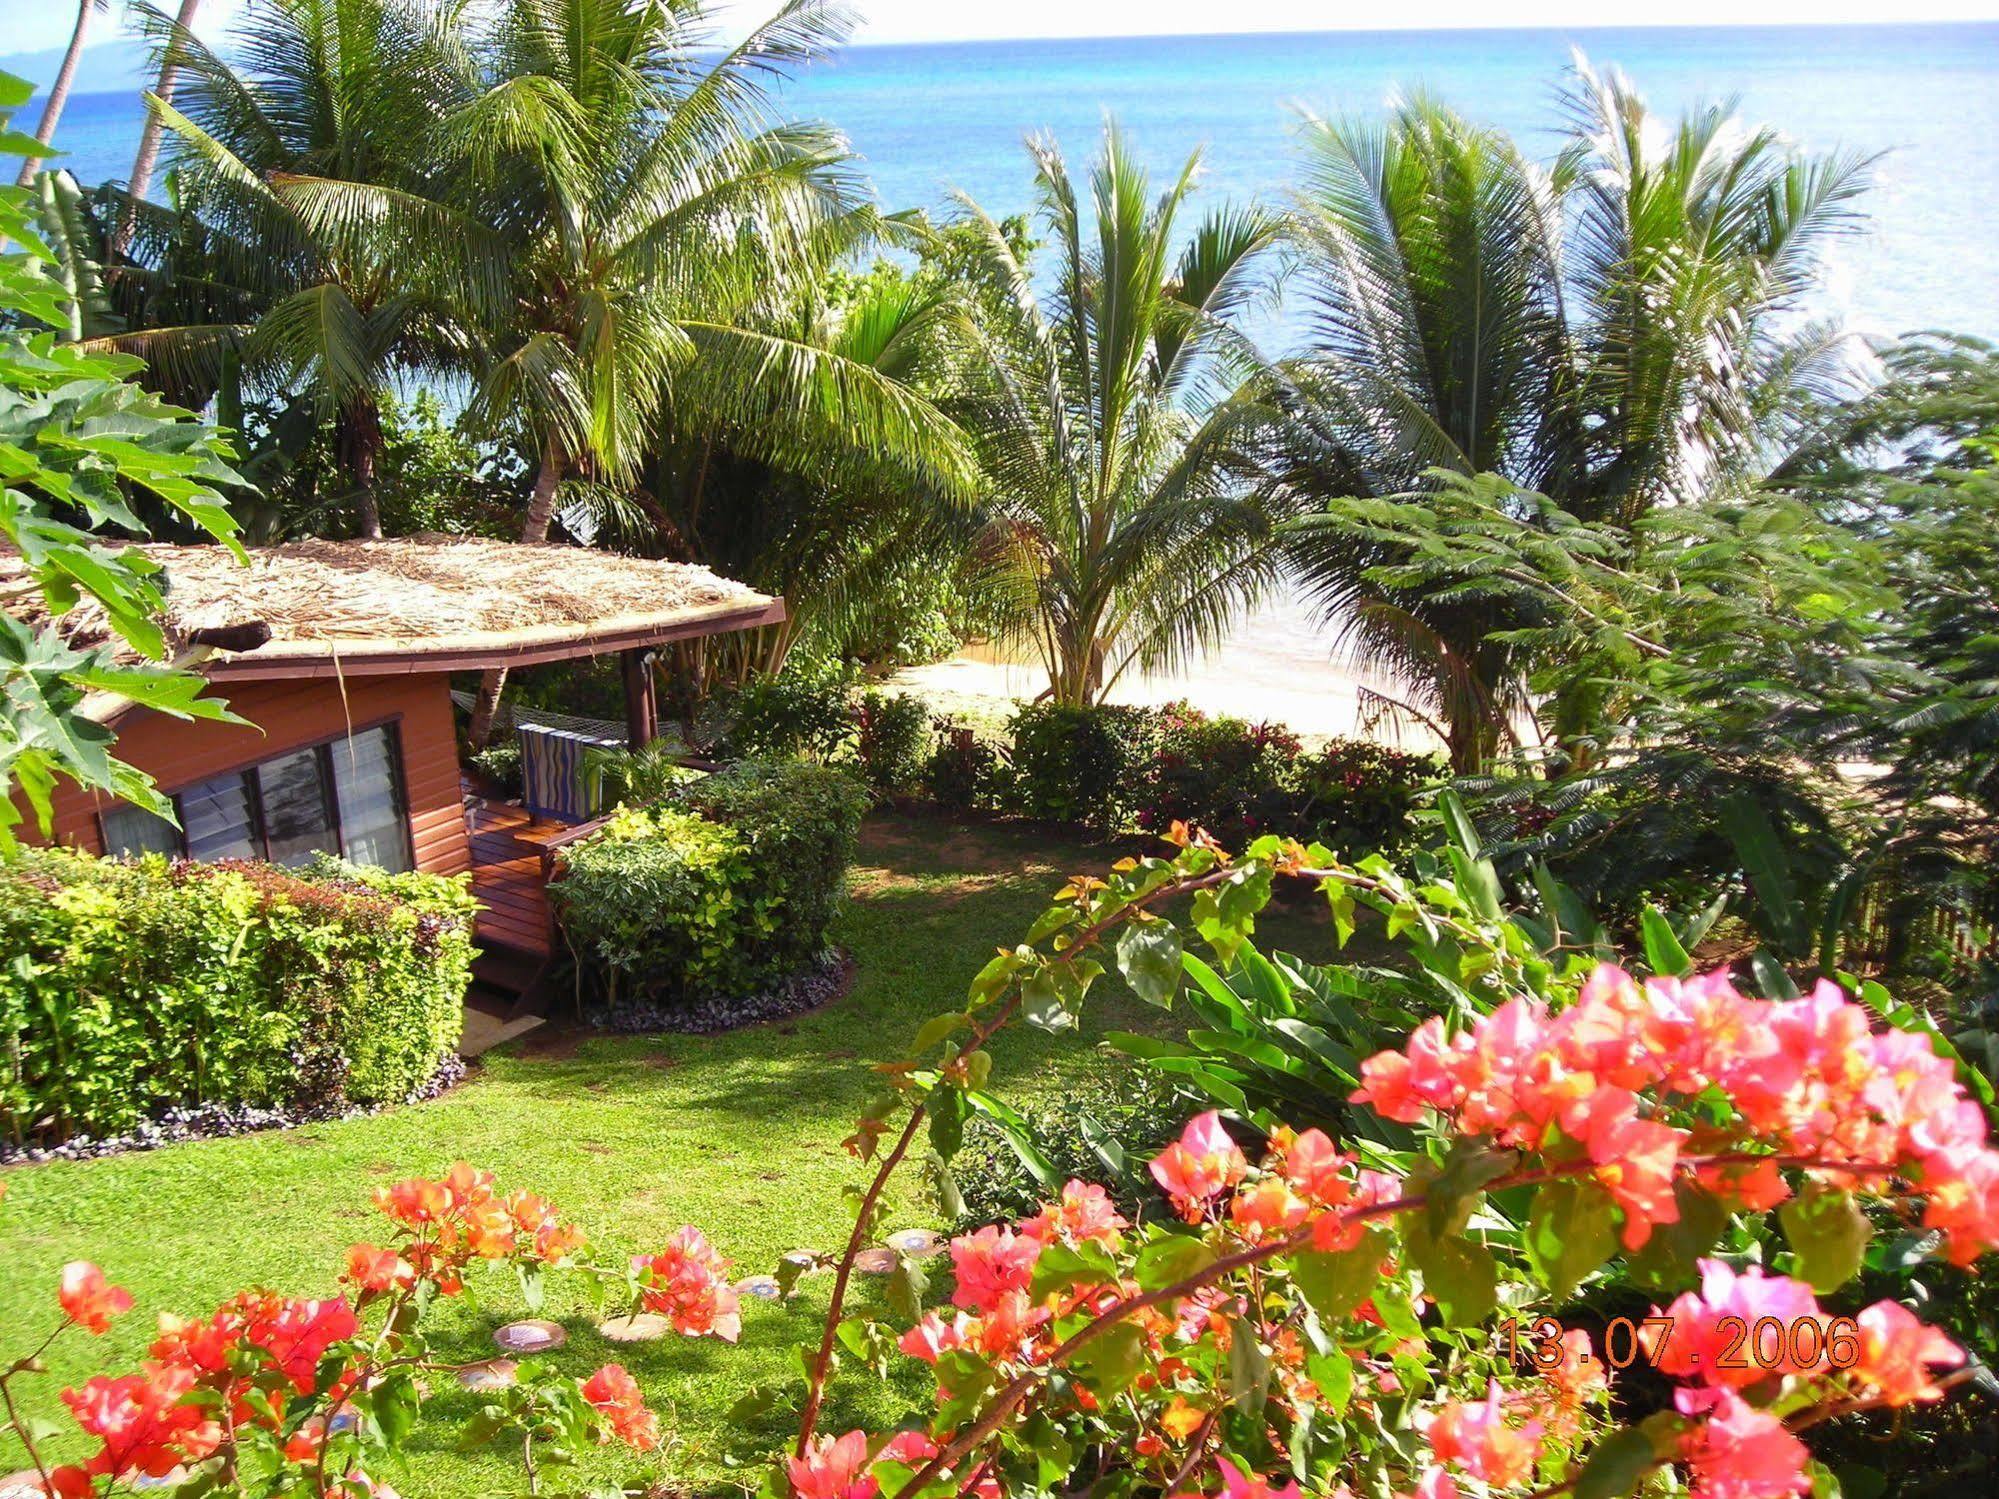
{"x":739,"y":1134}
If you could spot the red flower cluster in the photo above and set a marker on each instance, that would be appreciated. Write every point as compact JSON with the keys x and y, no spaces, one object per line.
{"x":615,"y":1396}
{"x":1809,"y":1080}
{"x":687,"y":1282}
{"x":145,"y":1428}
{"x":87,"y":1300}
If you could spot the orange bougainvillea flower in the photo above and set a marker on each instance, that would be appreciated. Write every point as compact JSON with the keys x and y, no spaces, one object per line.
{"x":373,"y":1271}
{"x":1198,"y":1167}
{"x":1694,"y":1338}
{"x":990,"y":1263}
{"x":687,"y":1283}
{"x":87,"y":1300}
{"x":615,"y":1396}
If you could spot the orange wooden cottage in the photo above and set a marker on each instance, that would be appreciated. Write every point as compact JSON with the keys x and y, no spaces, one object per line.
{"x":338,"y":654}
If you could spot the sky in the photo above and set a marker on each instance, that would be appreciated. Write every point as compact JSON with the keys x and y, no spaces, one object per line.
{"x":28,"y":25}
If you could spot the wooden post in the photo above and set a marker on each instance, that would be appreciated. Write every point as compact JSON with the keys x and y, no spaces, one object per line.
{"x":641,"y":703}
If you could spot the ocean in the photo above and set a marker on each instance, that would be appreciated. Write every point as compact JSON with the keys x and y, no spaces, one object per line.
{"x":936,"y":118}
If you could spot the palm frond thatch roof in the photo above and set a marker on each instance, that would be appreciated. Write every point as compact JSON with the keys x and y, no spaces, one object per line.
{"x":418,"y":603}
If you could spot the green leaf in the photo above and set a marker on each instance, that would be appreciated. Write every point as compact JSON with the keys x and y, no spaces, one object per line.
{"x":1335,"y":1283}
{"x":1570,"y":1232}
{"x":1459,"y":1274}
{"x":1616,"y":1465}
{"x":935,"y":1029}
{"x":1168,"y":1261}
{"x":1829,"y":1234}
{"x":1452,"y":1194}
{"x":1249,"y":1369}
{"x":1667,"y":1260}
{"x":1662,"y":945}
{"x":906,"y":1287}
{"x":1149,"y":957}
{"x":1061,"y":1266}
{"x":1112,"y":1361}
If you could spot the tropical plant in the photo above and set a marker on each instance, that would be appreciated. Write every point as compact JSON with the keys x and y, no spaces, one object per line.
{"x":310,"y":97}
{"x":1608,"y":331}
{"x":148,"y":155}
{"x":647,"y":219}
{"x":1106,"y":398}
{"x":77,"y":440}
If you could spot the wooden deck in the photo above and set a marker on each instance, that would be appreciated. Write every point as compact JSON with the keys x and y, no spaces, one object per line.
{"x":507,"y":875}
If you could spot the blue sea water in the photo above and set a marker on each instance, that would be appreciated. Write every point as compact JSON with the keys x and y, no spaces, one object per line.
{"x":930,"y":119}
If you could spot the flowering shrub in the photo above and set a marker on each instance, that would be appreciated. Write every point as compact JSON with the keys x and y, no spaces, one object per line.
{"x":1078,"y":765}
{"x":889,"y":739}
{"x":137,"y":987}
{"x":1308,"y":1318}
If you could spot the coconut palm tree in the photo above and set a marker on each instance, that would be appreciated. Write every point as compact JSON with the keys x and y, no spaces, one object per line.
{"x":650,"y":222}
{"x":1110,"y":406}
{"x":59,"y":90}
{"x":1607,"y":331}
{"x":149,"y":138}
{"x":315,"y":91}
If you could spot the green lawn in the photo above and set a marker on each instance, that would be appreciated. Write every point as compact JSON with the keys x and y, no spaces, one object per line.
{"x":738,"y":1134}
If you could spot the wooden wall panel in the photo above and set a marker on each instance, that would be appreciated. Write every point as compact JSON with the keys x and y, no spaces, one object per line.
{"x":285,"y":715}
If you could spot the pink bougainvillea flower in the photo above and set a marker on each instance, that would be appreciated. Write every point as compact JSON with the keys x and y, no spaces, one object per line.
{"x":144,"y":1427}
{"x":910,"y":1448}
{"x":990,"y":1263}
{"x":71,"y":1482}
{"x":1198,"y":1167}
{"x":1237,"y":1484}
{"x":1476,"y":1437}
{"x":1084,"y":1215}
{"x":1436,"y":1483}
{"x":615,"y":1396}
{"x":833,"y":1469}
{"x":1738,"y":1451}
{"x":1317,"y":1169}
{"x":86,"y":1298}
{"x":1688,"y":1340}
{"x":1897,"y":1351}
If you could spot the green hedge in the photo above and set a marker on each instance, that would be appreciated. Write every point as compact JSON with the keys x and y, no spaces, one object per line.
{"x":721,"y":889}
{"x":132,"y":988}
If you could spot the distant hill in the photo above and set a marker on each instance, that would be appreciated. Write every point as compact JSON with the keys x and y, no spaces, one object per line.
{"x":109,"y":67}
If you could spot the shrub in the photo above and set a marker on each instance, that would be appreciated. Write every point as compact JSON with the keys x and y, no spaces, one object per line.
{"x":725,"y":888}
{"x":794,"y":713}
{"x":1094,"y":1131}
{"x":1358,"y":798}
{"x":890,"y":740}
{"x":1079,"y":765}
{"x":138,"y":987}
{"x":1236,"y":779}
{"x":500,"y":763}
{"x":963,"y":770}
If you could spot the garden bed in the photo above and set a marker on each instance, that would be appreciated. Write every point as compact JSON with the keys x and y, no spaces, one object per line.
{"x":632,"y":1136}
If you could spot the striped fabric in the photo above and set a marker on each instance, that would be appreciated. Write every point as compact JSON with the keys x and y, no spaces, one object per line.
{"x":554,"y":781}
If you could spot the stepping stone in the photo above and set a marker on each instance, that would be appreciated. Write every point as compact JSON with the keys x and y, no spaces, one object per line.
{"x":532,"y":1336}
{"x":640,"y":1327}
{"x":139,"y":1483}
{"x":804,"y":1259}
{"x":493,"y":1374}
{"x":877,"y":1261}
{"x":763,"y":1287}
{"x":917,"y":1243}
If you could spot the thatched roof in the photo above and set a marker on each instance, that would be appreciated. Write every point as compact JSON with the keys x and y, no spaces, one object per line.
{"x":420,"y":603}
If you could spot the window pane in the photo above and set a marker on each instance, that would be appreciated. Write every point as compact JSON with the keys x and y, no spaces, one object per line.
{"x":133,"y":830}
{"x":371,"y":824}
{"x":216,"y":815}
{"x":296,"y":820}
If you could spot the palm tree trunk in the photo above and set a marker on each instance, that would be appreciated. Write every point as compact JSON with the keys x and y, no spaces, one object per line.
{"x":59,"y":90}
{"x":149,"y":140}
{"x":359,"y":444}
{"x":534,"y":527}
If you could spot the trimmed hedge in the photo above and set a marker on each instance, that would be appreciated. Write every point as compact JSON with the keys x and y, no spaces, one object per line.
{"x":723,"y":888}
{"x":135,"y":987}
